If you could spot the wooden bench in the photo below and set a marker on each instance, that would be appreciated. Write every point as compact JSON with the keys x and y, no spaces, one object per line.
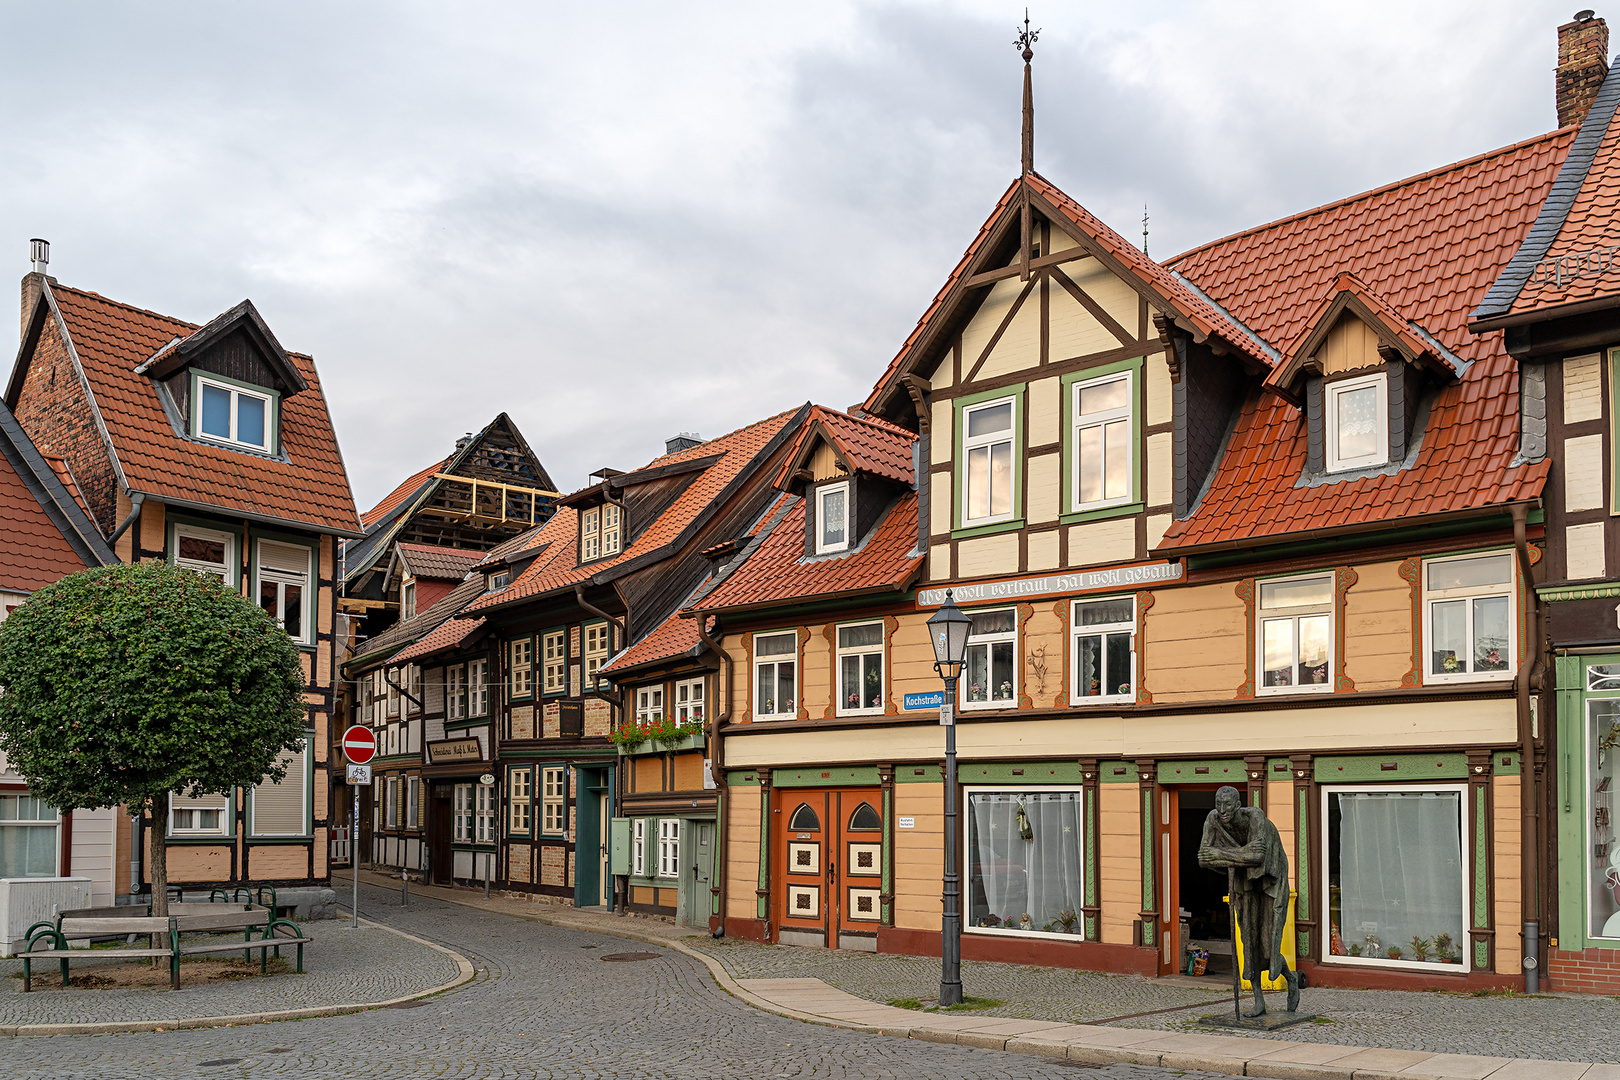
{"x":273,"y":933}
{"x":75,"y":926}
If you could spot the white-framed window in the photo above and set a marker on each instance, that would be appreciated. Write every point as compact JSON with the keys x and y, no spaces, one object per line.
{"x":1355,"y":416}
{"x":1602,"y":777}
{"x":391,"y":807}
{"x":520,"y":782}
{"x":860,"y":668}
{"x":206,"y":551}
{"x":284,"y":591}
{"x":1468,"y":617}
{"x":988,"y":468}
{"x":1103,"y":451}
{"x":455,"y":692}
{"x":392,"y":679}
{"x":990,"y":671}
{"x":463,"y":814}
{"x":196,"y":819}
{"x":415,"y":684}
{"x":497,"y":581}
{"x":484,"y":821}
{"x":1295,"y":634}
{"x":599,"y":532}
{"x":407,"y":599}
{"x":233,"y":414}
{"x":553,"y":801}
{"x":478,"y":688}
{"x":610,"y":530}
{"x":413,"y":802}
{"x":689,"y":695}
{"x":1102,"y":656}
{"x":832,"y":518}
{"x":522,"y":667}
{"x":28,"y":836}
{"x":554,"y":659}
{"x":1024,"y":849}
{"x":649,"y":704}
{"x":638,"y":847}
{"x":1395,"y":871}
{"x":669,"y":847}
{"x":775,"y":675}
{"x":598,"y":646}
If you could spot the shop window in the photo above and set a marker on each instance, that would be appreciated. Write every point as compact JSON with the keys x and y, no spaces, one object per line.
{"x":988,"y":467}
{"x":860,"y":669}
{"x":689,"y":700}
{"x":1603,"y":869}
{"x":1025,"y":860}
{"x":804,"y":819}
{"x":775,"y":685}
{"x":865,"y":819}
{"x":521,"y":784}
{"x":553,"y":802}
{"x":1296,"y":634}
{"x":1103,"y":657}
{"x":1102,"y":442}
{"x":1468,"y":617}
{"x":28,"y":830}
{"x":990,"y":675}
{"x":669,"y":847}
{"x":462,"y":813}
{"x":1396,"y":876}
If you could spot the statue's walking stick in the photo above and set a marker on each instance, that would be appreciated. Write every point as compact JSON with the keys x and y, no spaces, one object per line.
{"x":1237,"y":958}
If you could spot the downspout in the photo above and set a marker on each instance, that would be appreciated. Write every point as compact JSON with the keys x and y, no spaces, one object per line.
{"x":717,"y":766}
{"x":1529,"y":676}
{"x":579,"y":597}
{"x":135,"y":500}
{"x":623,"y":904}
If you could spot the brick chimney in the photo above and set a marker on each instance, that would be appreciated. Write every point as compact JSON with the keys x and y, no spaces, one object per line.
{"x":1583,"y":61}
{"x":39,"y":252}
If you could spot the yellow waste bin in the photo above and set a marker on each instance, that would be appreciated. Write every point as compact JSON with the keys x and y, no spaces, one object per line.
{"x":1288,"y":946}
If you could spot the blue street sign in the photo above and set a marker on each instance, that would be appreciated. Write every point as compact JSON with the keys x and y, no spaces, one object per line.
{"x":925,"y":701}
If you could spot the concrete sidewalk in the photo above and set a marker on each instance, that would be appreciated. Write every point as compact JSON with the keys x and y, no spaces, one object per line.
{"x":813,"y":1000}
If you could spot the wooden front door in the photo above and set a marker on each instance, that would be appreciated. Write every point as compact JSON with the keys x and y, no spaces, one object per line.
{"x":440,"y":826}
{"x":828,"y":866}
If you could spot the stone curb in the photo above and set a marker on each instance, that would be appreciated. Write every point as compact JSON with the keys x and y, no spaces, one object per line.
{"x":464,"y":974}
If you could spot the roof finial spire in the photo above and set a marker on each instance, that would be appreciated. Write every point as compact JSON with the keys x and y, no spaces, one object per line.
{"x":1144,"y":228}
{"x":1026,"y":38}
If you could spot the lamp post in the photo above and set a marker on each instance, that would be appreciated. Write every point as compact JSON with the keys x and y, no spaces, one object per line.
{"x":948,"y":630}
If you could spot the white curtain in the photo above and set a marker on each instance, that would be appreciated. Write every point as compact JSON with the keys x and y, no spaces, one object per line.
{"x":1400,"y":864}
{"x":1009,"y":876}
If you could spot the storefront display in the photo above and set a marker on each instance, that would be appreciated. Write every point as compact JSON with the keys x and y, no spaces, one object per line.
{"x":1603,"y":867}
{"x":1025,"y":861}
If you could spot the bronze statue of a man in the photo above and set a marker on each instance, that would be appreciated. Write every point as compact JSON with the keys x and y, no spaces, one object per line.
{"x":1242,"y":841}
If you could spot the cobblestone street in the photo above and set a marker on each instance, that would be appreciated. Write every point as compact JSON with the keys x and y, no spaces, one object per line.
{"x":544,"y":1004}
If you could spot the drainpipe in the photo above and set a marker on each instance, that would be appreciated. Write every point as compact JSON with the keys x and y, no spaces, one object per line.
{"x":579,"y":597}
{"x":1529,"y":677}
{"x":717,"y":765}
{"x":135,"y":500}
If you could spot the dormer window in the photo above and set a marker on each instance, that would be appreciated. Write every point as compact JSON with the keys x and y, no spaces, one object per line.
{"x":233,"y":413}
{"x":407,"y":600}
{"x":497,"y":581}
{"x":1356,"y":413}
{"x":599,"y":532}
{"x":832,"y":519}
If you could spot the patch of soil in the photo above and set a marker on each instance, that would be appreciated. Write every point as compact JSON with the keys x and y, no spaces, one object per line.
{"x":139,"y":974}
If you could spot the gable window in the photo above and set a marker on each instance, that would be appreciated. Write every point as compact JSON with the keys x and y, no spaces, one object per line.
{"x":205,"y":551}
{"x":553,"y":801}
{"x":521,"y":784}
{"x":233,"y":414}
{"x":689,"y":700}
{"x":1296,"y":634}
{"x":478,"y":688}
{"x":284,"y":592}
{"x":1356,"y":418}
{"x":649,"y":704}
{"x":832,"y":519}
{"x":1468,"y":617}
{"x":860,"y":669}
{"x":597,"y":638}
{"x":407,"y":600}
{"x":554,"y":658}
{"x":599,"y":532}
{"x":1102,"y":441}
{"x":987,"y":474}
{"x":990,"y":676}
{"x":1103,"y":657}
{"x":463,"y":813}
{"x":522,"y":658}
{"x":775,"y":683}
{"x":669,"y":847}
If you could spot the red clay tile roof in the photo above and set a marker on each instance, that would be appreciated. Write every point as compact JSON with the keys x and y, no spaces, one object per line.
{"x":310,"y":488}
{"x":867,"y":444}
{"x":394,"y":498}
{"x":59,"y":466}
{"x":430,"y":561}
{"x":33,"y":550}
{"x":558,"y":567}
{"x":778,"y":571}
{"x":1430,"y":246}
{"x":671,"y":638}
{"x":447,"y":636}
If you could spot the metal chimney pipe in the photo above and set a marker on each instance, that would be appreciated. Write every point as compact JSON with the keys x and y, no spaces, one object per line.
{"x":40,"y":252}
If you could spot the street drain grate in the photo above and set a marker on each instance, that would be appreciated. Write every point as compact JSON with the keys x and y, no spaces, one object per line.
{"x":220,"y":1061}
{"x":630,"y":957}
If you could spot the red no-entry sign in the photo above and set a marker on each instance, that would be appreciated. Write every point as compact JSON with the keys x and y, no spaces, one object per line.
{"x":359,"y":744}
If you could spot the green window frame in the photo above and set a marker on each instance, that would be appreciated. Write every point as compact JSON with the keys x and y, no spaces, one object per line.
{"x":1135,"y":503}
{"x":962,"y":406}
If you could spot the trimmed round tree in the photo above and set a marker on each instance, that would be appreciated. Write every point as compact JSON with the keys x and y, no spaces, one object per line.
{"x":123,"y":684}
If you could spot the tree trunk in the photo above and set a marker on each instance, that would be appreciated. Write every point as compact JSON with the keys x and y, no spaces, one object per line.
{"x":160,"y":856}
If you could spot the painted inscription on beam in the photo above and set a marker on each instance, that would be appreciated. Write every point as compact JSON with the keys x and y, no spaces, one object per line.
{"x":1120,"y":577}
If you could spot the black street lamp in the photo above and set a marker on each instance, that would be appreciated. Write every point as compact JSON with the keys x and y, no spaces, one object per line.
{"x":948,"y":629}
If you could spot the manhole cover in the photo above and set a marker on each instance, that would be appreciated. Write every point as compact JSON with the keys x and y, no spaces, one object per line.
{"x":220,"y":1061}
{"x":628,"y":957}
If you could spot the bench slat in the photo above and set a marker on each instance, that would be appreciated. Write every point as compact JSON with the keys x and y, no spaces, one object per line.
{"x":193,"y":924}
{"x":189,"y":950}
{"x":91,"y":954}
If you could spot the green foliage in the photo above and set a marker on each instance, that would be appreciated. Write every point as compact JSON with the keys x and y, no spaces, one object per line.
{"x":657,"y":728}
{"x":124,"y":683}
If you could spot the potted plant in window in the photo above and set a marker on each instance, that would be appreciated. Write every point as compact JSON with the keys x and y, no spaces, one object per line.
{"x":1394,"y":952}
{"x":991,"y":919}
{"x":1445,"y":950}
{"x":1068,"y":920}
{"x":1420,"y":948}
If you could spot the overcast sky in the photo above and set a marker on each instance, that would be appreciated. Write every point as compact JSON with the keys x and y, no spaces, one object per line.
{"x":621,"y":221}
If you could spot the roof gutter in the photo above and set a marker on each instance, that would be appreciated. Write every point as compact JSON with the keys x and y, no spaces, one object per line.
{"x":261,"y":519}
{"x":1254,"y":543}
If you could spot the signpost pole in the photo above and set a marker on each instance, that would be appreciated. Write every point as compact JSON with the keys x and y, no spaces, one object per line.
{"x":354,"y":861}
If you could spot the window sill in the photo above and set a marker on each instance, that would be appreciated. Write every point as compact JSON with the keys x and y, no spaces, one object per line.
{"x":1102,"y":513}
{"x":1431,"y":967}
{"x":1479,"y":677}
{"x":1293,"y":691}
{"x":1117,"y":699}
{"x":269,"y":840}
{"x":1001,"y":931}
{"x":980,"y":706}
{"x":216,"y":838}
{"x":990,"y":529}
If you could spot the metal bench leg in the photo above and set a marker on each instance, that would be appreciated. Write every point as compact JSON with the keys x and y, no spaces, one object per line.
{"x":264,"y":960}
{"x":28,"y":975}
{"x":300,"y":959}
{"x":65,"y":978}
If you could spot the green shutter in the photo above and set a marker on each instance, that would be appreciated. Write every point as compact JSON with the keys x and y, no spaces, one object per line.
{"x":619,"y":846}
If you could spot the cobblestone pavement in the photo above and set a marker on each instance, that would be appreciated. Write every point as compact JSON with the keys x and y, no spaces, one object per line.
{"x":340,"y":967}
{"x":543,"y":1005}
{"x":1574,"y":1027}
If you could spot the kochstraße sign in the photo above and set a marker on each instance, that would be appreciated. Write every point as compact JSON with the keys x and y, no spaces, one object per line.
{"x":1122,"y":577}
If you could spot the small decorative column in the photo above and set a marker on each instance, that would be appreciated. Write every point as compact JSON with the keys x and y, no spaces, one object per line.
{"x":1303,"y":768}
{"x":1147,"y":779}
{"x":1482,"y":927}
{"x":1091,"y":909}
